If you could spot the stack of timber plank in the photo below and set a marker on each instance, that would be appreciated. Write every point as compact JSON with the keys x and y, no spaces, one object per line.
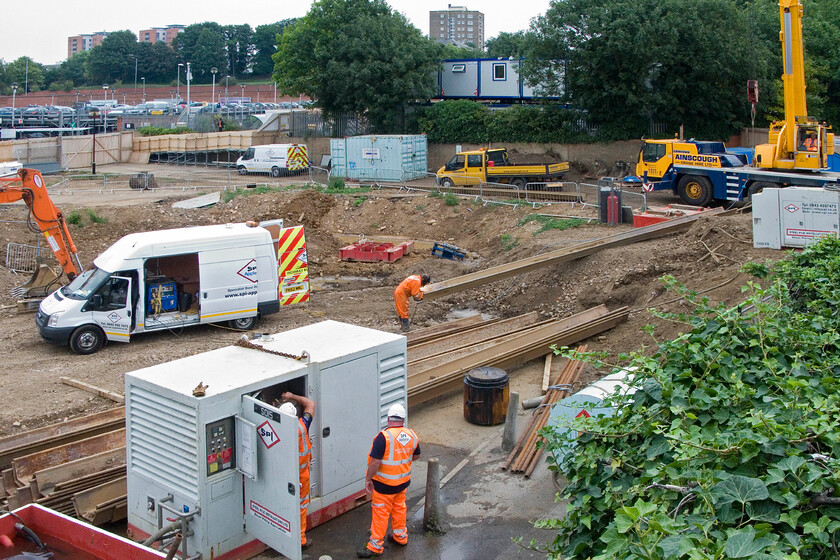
{"x":76,"y":467}
{"x":437,"y":363}
{"x":525,"y":455}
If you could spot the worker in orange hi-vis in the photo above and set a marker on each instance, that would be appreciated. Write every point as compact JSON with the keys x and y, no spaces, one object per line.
{"x":410,"y":287}
{"x":387,"y":477}
{"x":304,"y":452}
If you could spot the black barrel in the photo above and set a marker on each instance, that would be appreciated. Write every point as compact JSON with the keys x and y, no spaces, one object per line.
{"x":486,"y":393}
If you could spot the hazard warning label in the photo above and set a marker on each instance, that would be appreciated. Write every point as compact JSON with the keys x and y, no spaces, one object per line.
{"x":267,"y":434}
{"x":270,"y":517}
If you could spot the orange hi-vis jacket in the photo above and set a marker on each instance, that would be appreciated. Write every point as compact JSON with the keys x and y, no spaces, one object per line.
{"x":410,"y":287}
{"x":400,"y":445}
{"x":304,"y":446}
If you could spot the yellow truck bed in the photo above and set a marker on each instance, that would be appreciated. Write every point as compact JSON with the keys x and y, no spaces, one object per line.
{"x":532,"y":169}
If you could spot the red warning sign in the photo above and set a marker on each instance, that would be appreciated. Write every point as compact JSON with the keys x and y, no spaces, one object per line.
{"x":583,"y":414}
{"x":267,"y":434}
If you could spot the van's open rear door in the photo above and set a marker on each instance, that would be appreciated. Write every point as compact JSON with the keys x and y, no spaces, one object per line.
{"x":293,"y":269}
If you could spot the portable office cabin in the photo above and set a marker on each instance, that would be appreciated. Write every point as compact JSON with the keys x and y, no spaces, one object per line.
{"x":226,"y":461}
{"x":380,"y":158}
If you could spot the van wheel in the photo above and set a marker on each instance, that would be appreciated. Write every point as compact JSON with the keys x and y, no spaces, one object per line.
{"x":86,"y":339}
{"x":519,"y":183}
{"x":243,"y":323}
{"x":275,"y":171}
{"x":447,"y":183}
{"x":242,"y":170}
{"x":695,"y":190}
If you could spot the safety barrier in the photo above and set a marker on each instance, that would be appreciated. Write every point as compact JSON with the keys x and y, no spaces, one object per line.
{"x":21,"y":258}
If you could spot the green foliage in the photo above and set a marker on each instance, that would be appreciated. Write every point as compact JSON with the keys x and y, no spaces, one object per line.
{"x":507,"y":44}
{"x":435,"y":194}
{"x":335,"y":183}
{"x":160,"y":131}
{"x":359,"y":201}
{"x":204,"y":45}
{"x":691,"y":59}
{"x":728,"y":448}
{"x":547,"y":222}
{"x":508,"y":241}
{"x":451,"y":199}
{"x":262,"y":189}
{"x":74,"y":218}
{"x":112,"y":59}
{"x":357,"y":56}
{"x":27,"y":73}
{"x":462,"y":120}
{"x":96,"y":218}
{"x":266,"y":38}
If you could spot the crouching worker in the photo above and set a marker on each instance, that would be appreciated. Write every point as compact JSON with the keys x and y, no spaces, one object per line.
{"x":410,"y":287}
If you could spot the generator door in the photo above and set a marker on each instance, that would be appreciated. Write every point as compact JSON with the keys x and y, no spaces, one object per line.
{"x":272,"y":498}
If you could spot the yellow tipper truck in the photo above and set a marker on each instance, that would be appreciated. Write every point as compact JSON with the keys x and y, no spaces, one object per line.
{"x":493,"y":166}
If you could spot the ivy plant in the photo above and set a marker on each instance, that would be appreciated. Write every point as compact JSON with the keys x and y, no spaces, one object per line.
{"x":728,"y":445}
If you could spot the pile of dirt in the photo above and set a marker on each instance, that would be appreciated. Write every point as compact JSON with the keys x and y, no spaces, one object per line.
{"x":706,"y":258}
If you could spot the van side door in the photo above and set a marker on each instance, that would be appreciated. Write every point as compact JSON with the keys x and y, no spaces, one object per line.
{"x":228,"y":284}
{"x":111,"y":308}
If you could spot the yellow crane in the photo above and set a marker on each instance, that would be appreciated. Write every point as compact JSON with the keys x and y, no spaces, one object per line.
{"x":799,"y":141}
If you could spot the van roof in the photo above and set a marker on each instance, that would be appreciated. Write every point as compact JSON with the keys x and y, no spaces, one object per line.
{"x":180,"y":241}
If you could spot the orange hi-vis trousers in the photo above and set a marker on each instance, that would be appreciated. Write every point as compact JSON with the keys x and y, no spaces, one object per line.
{"x":382,"y":507}
{"x":304,"y":503}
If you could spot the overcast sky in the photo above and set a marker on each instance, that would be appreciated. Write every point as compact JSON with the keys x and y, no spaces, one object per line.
{"x":39,"y":28}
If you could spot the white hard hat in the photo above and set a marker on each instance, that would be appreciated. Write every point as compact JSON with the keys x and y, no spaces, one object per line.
{"x":288,"y":408}
{"x":397,"y":410}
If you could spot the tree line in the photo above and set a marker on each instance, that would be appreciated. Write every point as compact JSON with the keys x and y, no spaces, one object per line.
{"x":626,"y":67}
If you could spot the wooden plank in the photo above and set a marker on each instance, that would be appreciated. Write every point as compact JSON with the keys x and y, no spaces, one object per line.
{"x":421,"y":335}
{"x":25,"y":467}
{"x":573,"y":252}
{"x":86,"y":501}
{"x":466,"y":337}
{"x":509,"y":353}
{"x":53,"y":435}
{"x":116,"y":397}
{"x":546,"y":372}
{"x":49,"y":477}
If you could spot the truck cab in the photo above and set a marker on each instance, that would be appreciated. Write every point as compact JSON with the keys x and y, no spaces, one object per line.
{"x":658,"y":156}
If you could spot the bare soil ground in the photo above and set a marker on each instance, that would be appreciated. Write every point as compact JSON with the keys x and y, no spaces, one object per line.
{"x":361,"y":293}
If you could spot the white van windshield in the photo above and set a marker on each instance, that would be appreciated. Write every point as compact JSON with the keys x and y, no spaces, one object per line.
{"x":86,"y":283}
{"x":249,"y":154}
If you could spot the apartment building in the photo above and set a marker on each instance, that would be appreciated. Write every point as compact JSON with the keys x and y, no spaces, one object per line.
{"x":159,"y":34}
{"x":86,"y":42}
{"x":457,"y":26}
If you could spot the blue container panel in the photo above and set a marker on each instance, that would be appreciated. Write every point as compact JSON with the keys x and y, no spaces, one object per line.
{"x":382,"y":158}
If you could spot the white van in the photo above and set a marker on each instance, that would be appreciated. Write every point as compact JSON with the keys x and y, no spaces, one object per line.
{"x":175,"y":278}
{"x":275,"y":159}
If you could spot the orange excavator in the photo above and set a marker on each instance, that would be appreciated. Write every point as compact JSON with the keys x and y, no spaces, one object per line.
{"x":45,"y":218}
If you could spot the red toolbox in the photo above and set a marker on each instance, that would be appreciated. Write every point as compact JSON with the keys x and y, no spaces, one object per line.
{"x":656,"y":215}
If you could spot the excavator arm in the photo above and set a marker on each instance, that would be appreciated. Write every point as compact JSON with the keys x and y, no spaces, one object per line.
{"x":29,"y":187}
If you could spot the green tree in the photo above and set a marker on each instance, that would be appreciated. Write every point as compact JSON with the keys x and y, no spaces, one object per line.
{"x":157,"y":62}
{"x":357,"y":56}
{"x":633,"y":63}
{"x":266,"y":38}
{"x":507,"y":44}
{"x":113,"y":60}
{"x":208,"y":53}
{"x":28,"y":74}
{"x":186,"y":43}
{"x":239,"y":43}
{"x":73,"y":69}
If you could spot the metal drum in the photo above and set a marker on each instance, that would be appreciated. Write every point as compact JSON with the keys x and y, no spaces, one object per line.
{"x":486,"y":393}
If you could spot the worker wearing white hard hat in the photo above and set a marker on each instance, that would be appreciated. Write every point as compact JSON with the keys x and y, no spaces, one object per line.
{"x":387,"y":477}
{"x":304,"y":452}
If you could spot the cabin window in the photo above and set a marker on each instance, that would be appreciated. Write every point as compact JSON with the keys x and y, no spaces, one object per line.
{"x":459,"y":68}
{"x":499,"y":72}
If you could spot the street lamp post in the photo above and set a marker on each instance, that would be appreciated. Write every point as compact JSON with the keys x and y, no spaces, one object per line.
{"x":178,"y":83}
{"x":14,"y":91}
{"x":227,"y":81}
{"x":144,"y":88}
{"x":243,"y":92}
{"x":93,"y":114}
{"x":189,"y":77}
{"x":213,"y":91}
{"x":104,"y":110}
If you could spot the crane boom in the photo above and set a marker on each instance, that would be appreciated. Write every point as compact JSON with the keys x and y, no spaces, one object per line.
{"x":29,"y":187}
{"x":799,"y":142}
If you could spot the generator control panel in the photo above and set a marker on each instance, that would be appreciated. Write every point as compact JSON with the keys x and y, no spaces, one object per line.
{"x":220,"y":439}
{"x":162,"y":296}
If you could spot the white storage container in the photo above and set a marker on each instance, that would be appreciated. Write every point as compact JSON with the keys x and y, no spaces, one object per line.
{"x":380,"y":158}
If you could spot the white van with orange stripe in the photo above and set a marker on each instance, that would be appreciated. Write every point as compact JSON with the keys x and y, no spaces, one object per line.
{"x":274,"y":159}
{"x":169,"y":279}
